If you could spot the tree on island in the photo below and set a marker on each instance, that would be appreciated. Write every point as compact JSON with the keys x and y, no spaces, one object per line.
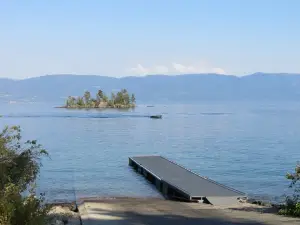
{"x":87,"y":97}
{"x":132,"y":98}
{"x":80,"y":102}
{"x":100,"y":96}
{"x":70,"y":101}
{"x":121,"y":99}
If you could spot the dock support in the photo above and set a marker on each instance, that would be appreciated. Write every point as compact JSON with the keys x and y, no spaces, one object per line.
{"x":145,"y":173}
{"x":158,"y":184}
{"x":165,"y":188}
{"x":130,"y":162}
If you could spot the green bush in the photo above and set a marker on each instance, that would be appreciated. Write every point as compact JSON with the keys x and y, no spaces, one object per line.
{"x":19,"y":167}
{"x":291,"y":207}
{"x":292,"y":203}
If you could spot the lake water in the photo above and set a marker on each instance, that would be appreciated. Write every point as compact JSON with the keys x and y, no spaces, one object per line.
{"x":248,"y":146}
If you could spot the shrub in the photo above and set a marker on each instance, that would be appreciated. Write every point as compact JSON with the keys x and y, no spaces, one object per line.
{"x":292,"y":203}
{"x":19,"y":167}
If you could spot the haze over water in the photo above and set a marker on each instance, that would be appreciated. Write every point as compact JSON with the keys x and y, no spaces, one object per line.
{"x":246,"y":145}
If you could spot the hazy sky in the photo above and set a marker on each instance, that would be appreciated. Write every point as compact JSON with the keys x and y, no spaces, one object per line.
{"x":137,"y":37}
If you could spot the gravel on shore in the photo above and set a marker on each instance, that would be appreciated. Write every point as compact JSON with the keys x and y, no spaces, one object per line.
{"x":61,"y":214}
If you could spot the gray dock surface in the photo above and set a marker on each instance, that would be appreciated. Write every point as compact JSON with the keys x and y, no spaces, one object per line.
{"x":186,"y":181}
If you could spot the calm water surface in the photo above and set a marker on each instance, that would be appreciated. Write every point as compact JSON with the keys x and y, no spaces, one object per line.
{"x":248,"y":146}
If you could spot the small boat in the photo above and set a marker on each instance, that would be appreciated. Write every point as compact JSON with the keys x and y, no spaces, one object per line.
{"x":150,"y":106}
{"x":156,"y":117}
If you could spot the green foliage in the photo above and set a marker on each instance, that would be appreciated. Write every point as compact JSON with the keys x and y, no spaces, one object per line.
{"x":113,"y":97}
{"x":80,"y":102}
{"x":291,"y":208}
{"x":292,"y":203}
{"x":87,"y":96}
{"x":133,"y":99}
{"x":121,"y":99}
{"x":294,"y":177}
{"x":92,"y":103}
{"x":100,"y":95}
{"x":19,"y":167}
{"x":105,"y":98}
{"x":70,"y":101}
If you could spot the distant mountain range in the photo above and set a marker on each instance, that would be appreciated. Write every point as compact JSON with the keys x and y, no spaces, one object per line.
{"x":157,"y":88}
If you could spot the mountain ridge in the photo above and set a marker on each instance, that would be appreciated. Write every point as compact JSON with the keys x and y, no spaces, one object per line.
{"x":158,"y":88}
{"x":154,"y":75}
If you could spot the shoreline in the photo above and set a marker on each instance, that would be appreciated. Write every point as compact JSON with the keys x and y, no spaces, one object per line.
{"x":246,"y":201}
{"x":98,"y":209}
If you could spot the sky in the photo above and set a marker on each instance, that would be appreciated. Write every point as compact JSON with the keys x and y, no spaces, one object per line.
{"x":140,"y":37}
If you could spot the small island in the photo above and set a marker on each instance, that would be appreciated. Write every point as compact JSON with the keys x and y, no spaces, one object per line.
{"x":120,"y":100}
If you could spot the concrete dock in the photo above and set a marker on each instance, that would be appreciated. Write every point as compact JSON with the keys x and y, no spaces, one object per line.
{"x":177,"y":182}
